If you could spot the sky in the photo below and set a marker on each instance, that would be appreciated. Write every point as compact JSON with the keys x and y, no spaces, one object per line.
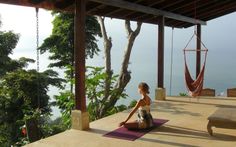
{"x":218,"y":36}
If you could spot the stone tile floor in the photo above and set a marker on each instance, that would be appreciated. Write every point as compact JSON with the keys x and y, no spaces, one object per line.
{"x":186,"y":127}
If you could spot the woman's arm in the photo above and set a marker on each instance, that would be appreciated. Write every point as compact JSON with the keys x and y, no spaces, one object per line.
{"x":140,"y":102}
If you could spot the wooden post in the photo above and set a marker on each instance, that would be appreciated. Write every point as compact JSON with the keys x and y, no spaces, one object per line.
{"x":198,"y":53}
{"x":160,"y":67}
{"x":79,"y":54}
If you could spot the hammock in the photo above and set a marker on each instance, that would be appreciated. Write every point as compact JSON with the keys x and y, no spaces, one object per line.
{"x":194,"y":87}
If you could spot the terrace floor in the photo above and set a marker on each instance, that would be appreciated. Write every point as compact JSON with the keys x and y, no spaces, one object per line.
{"x":186,"y":127}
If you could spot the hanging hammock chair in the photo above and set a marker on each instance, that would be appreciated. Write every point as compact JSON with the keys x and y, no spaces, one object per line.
{"x":194,"y":87}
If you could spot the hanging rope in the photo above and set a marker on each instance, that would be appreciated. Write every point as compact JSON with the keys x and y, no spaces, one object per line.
{"x":171,"y":59}
{"x":194,"y":87}
{"x":37,"y":52}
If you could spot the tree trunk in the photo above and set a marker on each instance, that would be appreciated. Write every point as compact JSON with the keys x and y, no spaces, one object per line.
{"x":124,"y":76}
{"x":33,"y":131}
{"x":107,"y":52}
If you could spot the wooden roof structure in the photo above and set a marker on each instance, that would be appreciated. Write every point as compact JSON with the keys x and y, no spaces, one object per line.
{"x":177,"y":13}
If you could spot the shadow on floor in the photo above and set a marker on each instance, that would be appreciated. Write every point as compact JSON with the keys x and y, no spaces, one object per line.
{"x":170,"y":130}
{"x":176,"y":131}
{"x":194,"y":102}
{"x":172,"y":108}
{"x":102,"y":132}
{"x":167,"y":142}
{"x":97,"y":131}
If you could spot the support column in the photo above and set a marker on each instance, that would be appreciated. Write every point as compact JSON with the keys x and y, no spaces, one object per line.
{"x":160,"y":91}
{"x":80,"y":118}
{"x":198,"y":53}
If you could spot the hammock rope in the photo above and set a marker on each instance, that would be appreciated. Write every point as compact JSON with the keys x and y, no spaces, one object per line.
{"x":194,"y":87}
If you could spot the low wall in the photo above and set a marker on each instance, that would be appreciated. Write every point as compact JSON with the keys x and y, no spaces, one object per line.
{"x":231,"y":92}
{"x":208,"y":92}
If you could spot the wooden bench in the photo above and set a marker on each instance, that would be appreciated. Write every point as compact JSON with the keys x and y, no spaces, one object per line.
{"x":208,"y":92}
{"x":222,"y":118}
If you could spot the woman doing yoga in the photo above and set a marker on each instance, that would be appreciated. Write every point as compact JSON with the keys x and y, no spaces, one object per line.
{"x":145,"y":119}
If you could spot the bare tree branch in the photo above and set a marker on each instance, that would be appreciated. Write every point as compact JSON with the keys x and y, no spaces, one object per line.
{"x":107,"y":42}
{"x":124,"y":76}
{"x":128,"y":27}
{"x":138,"y":28}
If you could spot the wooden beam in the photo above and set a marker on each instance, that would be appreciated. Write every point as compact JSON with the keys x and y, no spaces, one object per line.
{"x":145,"y":15}
{"x":204,"y":8}
{"x":218,"y":10}
{"x":189,"y":9}
{"x":64,"y":4}
{"x":198,"y":54}
{"x":79,"y":54}
{"x":220,"y":13}
{"x":149,"y":5}
{"x":36,"y":1}
{"x":42,"y":4}
{"x":145,"y":9}
{"x":96,"y":8}
{"x":213,"y":12}
{"x":168,"y":5}
{"x":119,"y":9}
{"x":160,"y":55}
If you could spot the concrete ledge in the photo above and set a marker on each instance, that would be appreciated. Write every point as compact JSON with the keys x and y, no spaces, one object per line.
{"x":80,"y":120}
{"x":160,"y":94}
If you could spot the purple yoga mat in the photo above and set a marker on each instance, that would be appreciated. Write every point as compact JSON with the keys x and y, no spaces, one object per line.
{"x":124,"y":133}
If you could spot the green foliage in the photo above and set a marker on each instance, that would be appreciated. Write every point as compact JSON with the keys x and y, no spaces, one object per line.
{"x":19,"y":97}
{"x":95,"y":81}
{"x":23,"y":93}
{"x":95,"y":78}
{"x":183,"y":94}
{"x":65,"y":101}
{"x":132,"y":104}
{"x":51,"y":127}
{"x":61,"y":42}
{"x":8,"y":41}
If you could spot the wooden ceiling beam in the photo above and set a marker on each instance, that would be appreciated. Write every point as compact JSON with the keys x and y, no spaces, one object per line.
{"x":162,"y":8}
{"x":213,"y":13}
{"x":99,"y":7}
{"x":120,"y":9}
{"x":190,"y":8}
{"x":36,"y":1}
{"x":205,"y":8}
{"x":168,"y":4}
{"x":149,"y":5}
{"x":224,"y":10}
{"x":64,"y":4}
{"x":145,"y":9}
{"x":43,"y":4}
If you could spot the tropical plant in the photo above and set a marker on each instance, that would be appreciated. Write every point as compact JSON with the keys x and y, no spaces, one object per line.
{"x":183,"y":94}
{"x":60,"y":44}
{"x":21,"y":94}
{"x":95,"y":79}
